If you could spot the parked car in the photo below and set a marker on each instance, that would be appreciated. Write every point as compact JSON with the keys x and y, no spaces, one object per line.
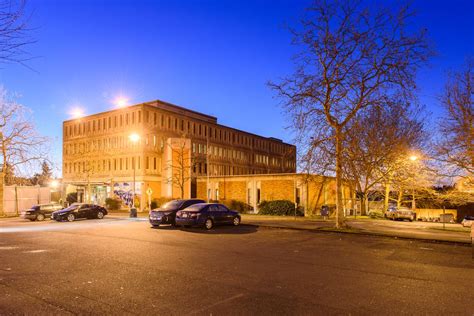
{"x":207,"y":215}
{"x":394,"y":213}
{"x":166,"y":214}
{"x":467,"y":221}
{"x":40,"y":212}
{"x":79,"y":210}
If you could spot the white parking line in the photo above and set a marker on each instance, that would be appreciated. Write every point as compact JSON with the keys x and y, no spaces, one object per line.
{"x":35,"y":251}
{"x":8,"y":248}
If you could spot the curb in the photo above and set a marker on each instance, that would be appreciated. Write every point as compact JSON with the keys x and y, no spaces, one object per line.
{"x":364,"y":233}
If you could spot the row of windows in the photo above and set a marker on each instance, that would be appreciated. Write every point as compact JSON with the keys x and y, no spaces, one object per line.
{"x":116,"y":142}
{"x":163,"y":121}
{"x":122,"y":142}
{"x":200,"y":169}
{"x":82,"y":128}
{"x":116,"y":164}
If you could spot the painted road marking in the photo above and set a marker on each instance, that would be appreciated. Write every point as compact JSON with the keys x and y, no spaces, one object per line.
{"x":35,"y":251}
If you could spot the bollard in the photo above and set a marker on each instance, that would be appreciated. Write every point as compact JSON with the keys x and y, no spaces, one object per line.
{"x":133,"y":212}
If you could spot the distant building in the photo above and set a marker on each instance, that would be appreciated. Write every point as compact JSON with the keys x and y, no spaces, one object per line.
{"x":99,"y":157}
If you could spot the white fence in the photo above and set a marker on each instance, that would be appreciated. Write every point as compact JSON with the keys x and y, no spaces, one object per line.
{"x":18,"y":198}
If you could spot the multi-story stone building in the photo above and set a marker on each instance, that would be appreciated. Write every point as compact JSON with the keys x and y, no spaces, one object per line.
{"x":172,"y":143}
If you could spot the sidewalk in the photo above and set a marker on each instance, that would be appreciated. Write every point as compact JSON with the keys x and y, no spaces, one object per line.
{"x":454,"y":233}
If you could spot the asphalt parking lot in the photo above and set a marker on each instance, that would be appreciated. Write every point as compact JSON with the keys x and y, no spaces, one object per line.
{"x":122,"y":266}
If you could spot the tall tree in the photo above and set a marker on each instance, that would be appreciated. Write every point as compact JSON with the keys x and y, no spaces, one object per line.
{"x":456,"y":144}
{"x":21,"y":147}
{"x":353,"y":54}
{"x":376,"y":141}
{"x":179,"y":167}
{"x":14,"y":32}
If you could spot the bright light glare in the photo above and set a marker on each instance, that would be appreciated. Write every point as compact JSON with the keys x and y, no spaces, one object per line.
{"x":77,"y":113}
{"x":54,"y":184}
{"x":413,"y":158}
{"x":121,"y":101}
{"x":134,"y":137}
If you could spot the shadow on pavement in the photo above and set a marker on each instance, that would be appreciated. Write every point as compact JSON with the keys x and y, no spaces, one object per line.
{"x":221,"y":230}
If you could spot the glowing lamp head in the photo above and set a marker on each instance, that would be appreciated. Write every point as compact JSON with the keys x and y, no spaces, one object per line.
{"x":77,"y":113}
{"x":134,"y":137}
{"x":54,"y":184}
{"x":413,"y":158}
{"x":121,"y":102}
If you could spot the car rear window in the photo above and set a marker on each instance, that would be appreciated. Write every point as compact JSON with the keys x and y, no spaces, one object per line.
{"x":194,"y":208}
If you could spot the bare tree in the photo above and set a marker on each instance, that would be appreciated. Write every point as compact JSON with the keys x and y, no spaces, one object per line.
{"x":376,"y":140}
{"x":353,"y":55}
{"x":14,"y":32}
{"x":21,"y":147}
{"x":181,"y":165}
{"x":456,"y":146}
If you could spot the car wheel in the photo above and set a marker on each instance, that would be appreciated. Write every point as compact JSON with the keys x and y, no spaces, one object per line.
{"x":209,"y":224}
{"x":40,"y":217}
{"x":236,"y":221}
{"x":100,"y":215}
{"x":71,"y":217}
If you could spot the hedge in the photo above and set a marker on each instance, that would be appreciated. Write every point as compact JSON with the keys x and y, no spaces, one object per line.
{"x":279,"y":207}
{"x":238,"y":206}
{"x":113,"y":204}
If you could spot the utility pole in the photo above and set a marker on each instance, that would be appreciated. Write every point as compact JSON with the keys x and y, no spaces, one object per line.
{"x":207,"y":165}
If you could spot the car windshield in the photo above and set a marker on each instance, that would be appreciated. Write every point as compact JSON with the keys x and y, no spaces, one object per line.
{"x":172,"y":204}
{"x":72,"y":207}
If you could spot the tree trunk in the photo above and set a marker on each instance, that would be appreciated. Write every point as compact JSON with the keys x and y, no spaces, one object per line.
{"x":339,"y":204}
{"x":400,"y":196}
{"x":363,"y":208}
{"x":387,"y":195}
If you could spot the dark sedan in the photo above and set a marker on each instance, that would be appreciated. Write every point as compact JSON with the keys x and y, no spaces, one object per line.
{"x":79,"y":210}
{"x":167,"y":213}
{"x":207,"y":215}
{"x":40,"y":212}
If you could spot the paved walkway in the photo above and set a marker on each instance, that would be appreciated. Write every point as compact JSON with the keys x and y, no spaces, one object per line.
{"x":414,"y":230}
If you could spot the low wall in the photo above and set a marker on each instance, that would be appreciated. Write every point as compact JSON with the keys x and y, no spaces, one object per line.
{"x":434,"y":212}
{"x":18,"y":198}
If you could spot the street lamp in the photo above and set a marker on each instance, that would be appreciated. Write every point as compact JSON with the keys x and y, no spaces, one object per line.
{"x":134,"y":138}
{"x":413,"y":158}
{"x":121,"y":102}
{"x":54,"y":184}
{"x":77,"y":112}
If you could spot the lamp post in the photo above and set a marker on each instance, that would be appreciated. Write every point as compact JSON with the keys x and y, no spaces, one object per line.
{"x":413,"y":158}
{"x":134,"y":138}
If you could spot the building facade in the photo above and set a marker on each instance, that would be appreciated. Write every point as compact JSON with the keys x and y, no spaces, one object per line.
{"x":308,"y":191}
{"x":100,"y":159}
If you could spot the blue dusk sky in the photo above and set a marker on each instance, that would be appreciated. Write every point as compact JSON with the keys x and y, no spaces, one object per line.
{"x":212,"y":56}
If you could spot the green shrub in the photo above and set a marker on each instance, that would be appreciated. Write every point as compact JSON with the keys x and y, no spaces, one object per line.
{"x":279,"y":207}
{"x":113,"y":204}
{"x":376,"y":214}
{"x":157,"y":203}
{"x":71,"y":197}
{"x":238,"y":206}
